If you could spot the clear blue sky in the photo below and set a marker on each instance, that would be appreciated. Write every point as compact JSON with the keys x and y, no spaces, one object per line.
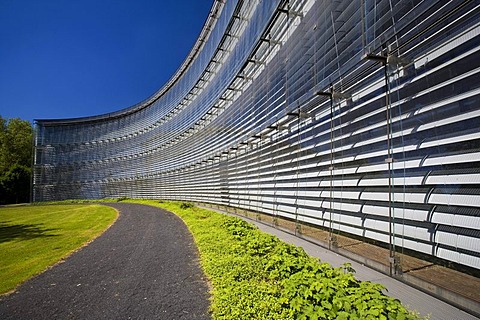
{"x":73,"y":58}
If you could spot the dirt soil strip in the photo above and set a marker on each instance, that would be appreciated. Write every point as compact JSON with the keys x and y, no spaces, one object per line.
{"x":144,"y":267}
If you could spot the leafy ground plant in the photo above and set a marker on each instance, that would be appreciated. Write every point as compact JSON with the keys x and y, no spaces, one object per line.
{"x":256,"y":276}
{"x":32,"y":238}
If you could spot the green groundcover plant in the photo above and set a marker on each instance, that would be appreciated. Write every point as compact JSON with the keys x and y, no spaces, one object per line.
{"x":256,"y":276}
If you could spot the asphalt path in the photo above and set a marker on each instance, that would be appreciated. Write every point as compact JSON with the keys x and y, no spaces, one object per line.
{"x":145,"y":266}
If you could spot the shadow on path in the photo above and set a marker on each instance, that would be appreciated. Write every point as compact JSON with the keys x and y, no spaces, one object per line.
{"x":145,"y":266}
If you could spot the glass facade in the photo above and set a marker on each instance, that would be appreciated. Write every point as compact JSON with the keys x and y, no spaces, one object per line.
{"x":360,"y":117}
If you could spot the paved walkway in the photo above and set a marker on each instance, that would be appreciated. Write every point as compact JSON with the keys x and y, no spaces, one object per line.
{"x":144,"y":267}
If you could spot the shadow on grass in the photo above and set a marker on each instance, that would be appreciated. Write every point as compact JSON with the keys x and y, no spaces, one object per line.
{"x":9,"y":232}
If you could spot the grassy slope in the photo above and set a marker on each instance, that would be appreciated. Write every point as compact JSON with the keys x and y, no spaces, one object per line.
{"x":32,"y":238}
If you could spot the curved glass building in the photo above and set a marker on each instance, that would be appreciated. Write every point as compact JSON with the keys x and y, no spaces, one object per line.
{"x":358,"y":118}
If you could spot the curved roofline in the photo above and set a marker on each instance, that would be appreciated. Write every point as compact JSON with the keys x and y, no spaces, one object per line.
{"x":213,"y":15}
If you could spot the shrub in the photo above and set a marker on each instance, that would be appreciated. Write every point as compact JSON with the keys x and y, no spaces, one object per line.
{"x":186,"y":205}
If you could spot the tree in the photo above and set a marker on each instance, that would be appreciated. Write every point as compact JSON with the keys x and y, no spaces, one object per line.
{"x":16,"y":144}
{"x":16,"y":184}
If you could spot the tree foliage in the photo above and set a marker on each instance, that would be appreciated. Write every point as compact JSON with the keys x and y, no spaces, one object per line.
{"x":16,"y":137}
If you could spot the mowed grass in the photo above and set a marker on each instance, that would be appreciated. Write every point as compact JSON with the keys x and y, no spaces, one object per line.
{"x":32,"y":238}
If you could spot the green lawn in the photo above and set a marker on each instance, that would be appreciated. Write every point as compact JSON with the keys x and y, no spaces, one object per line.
{"x":32,"y":238}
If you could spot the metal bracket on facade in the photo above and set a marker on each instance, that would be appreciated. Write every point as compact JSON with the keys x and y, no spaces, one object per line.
{"x":392,"y":61}
{"x":278,"y":127}
{"x":231,"y":35}
{"x":234,"y":89}
{"x":301,"y":114}
{"x":375,"y":57}
{"x":255,"y":61}
{"x":243,"y":76}
{"x":239,"y":17}
{"x":332,"y":94}
{"x":290,"y":12}
{"x":270,"y":41}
